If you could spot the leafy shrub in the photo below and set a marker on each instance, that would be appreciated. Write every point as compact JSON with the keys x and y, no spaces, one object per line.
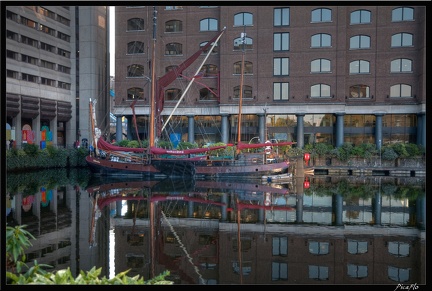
{"x":164,"y":144}
{"x":388,"y":153}
{"x":123,"y":143}
{"x":31,"y":149}
{"x":400,"y":149}
{"x":133,"y":144}
{"x":183,"y":145}
{"x":323,"y":149}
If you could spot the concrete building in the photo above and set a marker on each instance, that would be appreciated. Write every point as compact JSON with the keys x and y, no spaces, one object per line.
{"x":56,"y":60}
{"x":312,"y":73}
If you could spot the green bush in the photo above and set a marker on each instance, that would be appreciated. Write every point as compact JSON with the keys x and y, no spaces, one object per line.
{"x":31,"y":149}
{"x":18,"y":273}
{"x":183,"y":145}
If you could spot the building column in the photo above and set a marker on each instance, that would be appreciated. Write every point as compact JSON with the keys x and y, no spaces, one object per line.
{"x":119,"y":128}
{"x":36,"y":127}
{"x":53,"y":129}
{"x":300,"y":130}
{"x":225,"y":128}
{"x":378,"y":130}
{"x":191,"y":128}
{"x":129,"y":127}
{"x":338,"y":209}
{"x":16,"y":127}
{"x":262,"y":127}
{"x":339,"y":129}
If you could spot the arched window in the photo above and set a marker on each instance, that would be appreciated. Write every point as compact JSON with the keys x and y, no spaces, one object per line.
{"x":214,"y":51}
{"x":321,"y":15}
{"x":359,"y":67}
{"x":134,"y":24}
{"x":359,"y":91}
{"x":135,"y":47}
{"x":172,"y":68}
{"x":360,"y":16}
{"x":238,"y":45}
{"x":243,"y":18}
{"x":209,"y":70}
{"x":174,"y":26}
{"x":321,"y":40}
{"x":135,"y":70}
{"x":173,"y":94}
{"x":360,"y":42}
{"x":208,"y":94}
{"x":248,"y":68}
{"x":247,"y":92}
{"x":400,"y":90}
{"x":135,"y":93}
{"x":174,"y":49}
{"x":402,"y":39}
{"x":401,"y":66}
{"x":320,"y":66}
{"x":208,"y":24}
{"x":403,"y":14}
{"x":320,"y":90}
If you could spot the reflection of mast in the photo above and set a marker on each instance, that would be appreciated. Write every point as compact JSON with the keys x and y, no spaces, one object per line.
{"x":239,"y":244}
{"x":152,"y":238}
{"x":93,"y":222}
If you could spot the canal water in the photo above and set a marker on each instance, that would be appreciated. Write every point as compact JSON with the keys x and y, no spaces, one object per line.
{"x":304,"y":230}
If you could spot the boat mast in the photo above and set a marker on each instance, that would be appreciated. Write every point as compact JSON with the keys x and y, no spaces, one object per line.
{"x":193,"y":79}
{"x":153,"y":84}
{"x":243,"y":40}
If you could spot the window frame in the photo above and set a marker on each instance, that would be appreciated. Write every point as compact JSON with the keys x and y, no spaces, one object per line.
{"x":321,"y":65}
{"x":366,"y":19}
{"x":360,"y":39}
{"x":243,"y":19}
{"x":283,"y":39}
{"x":281,"y":91}
{"x":281,"y":64}
{"x":319,"y":12}
{"x":283,"y":13}
{"x":322,"y":37}
{"x":400,"y":64}
{"x":362,"y":65}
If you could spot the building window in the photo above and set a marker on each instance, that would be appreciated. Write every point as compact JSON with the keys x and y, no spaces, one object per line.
{"x":403,"y":14}
{"x":402,"y":39}
{"x":281,"y":16}
{"x":47,"y":47}
{"x":63,"y":69}
{"x":281,"y":91}
{"x":48,"y":82}
{"x":321,"y":15}
{"x":174,"y":49}
{"x":172,"y":94}
{"x":320,"y":90}
{"x":63,"y":53}
{"x":11,"y":54}
{"x":12,"y":74}
{"x":320,"y":273}
{"x":173,"y":7}
{"x":243,"y":18}
{"x":320,"y":66}
{"x":209,"y":70}
{"x":214,"y":51}
{"x":248,"y":68}
{"x":11,"y":16}
{"x":238,"y":44}
{"x":280,"y":246}
{"x":135,"y":70}
{"x":360,"y":42}
{"x":247,"y":92}
{"x":135,"y":24}
{"x":135,"y":47}
{"x":63,"y":36}
{"x":281,"y":41}
{"x":321,"y":40}
{"x":359,"y":67}
{"x":400,"y":90}
{"x":46,"y":29}
{"x":281,"y":66}
{"x":63,"y":85}
{"x":28,"y":22}
{"x":359,"y":91}
{"x":279,"y":271}
{"x":29,"y":78}
{"x":12,"y":35}
{"x":401,"y":66}
{"x":135,"y":261}
{"x":46,"y":12}
{"x":208,"y":94}
{"x":63,"y":20}
{"x":208,"y":24}
{"x":360,"y":17}
{"x":399,"y":249}
{"x":173,"y":68}
{"x":357,"y":271}
{"x":135,"y":93}
{"x":29,"y":41}
{"x":48,"y":65}
{"x":398,"y":274}
{"x":174,"y":26}
{"x":356,"y":247}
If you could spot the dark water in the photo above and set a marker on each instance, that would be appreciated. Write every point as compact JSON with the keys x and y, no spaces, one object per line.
{"x":326,"y":230}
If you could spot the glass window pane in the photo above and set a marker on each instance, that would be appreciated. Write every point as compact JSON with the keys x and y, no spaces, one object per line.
{"x":397,"y":14}
{"x":315,"y":40}
{"x":407,"y":39}
{"x":325,"y":66}
{"x":354,"y":42}
{"x":326,"y":15}
{"x":325,"y":89}
{"x":315,"y":66}
{"x":355,"y":17}
{"x":406,"y":65}
{"x":315,"y":91}
{"x":285,"y":66}
{"x":396,"y":40}
{"x":395,"y":91}
{"x":406,"y":91}
{"x":326,"y":40}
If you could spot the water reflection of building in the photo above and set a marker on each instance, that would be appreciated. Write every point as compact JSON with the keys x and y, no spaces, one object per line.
{"x":319,"y":240}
